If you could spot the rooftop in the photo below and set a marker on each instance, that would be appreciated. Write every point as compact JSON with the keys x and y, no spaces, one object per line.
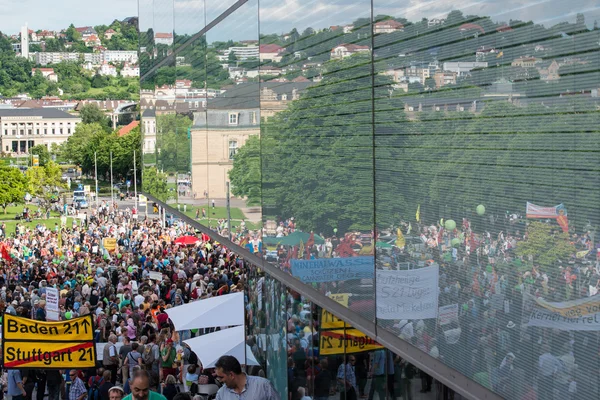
{"x":35,"y":112}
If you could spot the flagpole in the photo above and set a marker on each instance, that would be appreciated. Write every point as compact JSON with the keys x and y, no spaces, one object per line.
{"x":112,"y":197}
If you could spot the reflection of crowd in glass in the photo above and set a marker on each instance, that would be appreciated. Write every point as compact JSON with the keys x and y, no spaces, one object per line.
{"x":489,"y":341}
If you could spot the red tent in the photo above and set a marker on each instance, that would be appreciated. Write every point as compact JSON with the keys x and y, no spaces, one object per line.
{"x":187,"y":240}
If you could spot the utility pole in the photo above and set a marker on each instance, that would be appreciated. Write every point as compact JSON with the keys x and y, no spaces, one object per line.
{"x":134,"y":181}
{"x":96,"y":176}
{"x":228,"y":213}
{"x":112,"y":197}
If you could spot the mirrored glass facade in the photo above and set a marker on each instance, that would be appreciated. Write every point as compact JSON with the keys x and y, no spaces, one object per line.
{"x":430,"y":166}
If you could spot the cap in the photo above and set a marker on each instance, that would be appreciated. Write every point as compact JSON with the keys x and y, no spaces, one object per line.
{"x":119,"y":388}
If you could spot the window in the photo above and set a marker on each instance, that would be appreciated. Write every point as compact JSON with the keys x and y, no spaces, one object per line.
{"x":232,"y":148}
{"x":253,"y":117}
{"x":37,"y":131}
{"x":233,"y":119}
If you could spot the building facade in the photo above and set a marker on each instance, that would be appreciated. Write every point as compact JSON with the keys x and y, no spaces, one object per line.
{"x":24,"y":128}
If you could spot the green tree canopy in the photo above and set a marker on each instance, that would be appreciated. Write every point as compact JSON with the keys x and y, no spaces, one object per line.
{"x":13,"y":186}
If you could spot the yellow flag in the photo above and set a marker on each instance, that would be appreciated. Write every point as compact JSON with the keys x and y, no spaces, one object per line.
{"x":500,"y":54}
{"x":301,"y":250}
{"x":400,"y":241}
{"x":418,"y":214}
{"x":60,"y":240}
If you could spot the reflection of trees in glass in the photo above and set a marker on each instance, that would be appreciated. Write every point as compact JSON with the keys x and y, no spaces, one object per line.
{"x":501,"y":158}
{"x":173,"y":143}
{"x":317,"y":155}
{"x":245,"y":174}
{"x":154,"y":183}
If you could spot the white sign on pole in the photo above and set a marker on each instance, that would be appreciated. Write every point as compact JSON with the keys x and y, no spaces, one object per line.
{"x":407,"y":294}
{"x":447,"y":314}
{"x":52,"y":307}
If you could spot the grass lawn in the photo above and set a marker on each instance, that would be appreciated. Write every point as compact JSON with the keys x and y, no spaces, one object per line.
{"x":10,"y":224}
{"x":11,"y":211}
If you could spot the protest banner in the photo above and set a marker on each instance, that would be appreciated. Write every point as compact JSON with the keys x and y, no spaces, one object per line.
{"x":330,"y":321}
{"x":548,"y":319}
{"x":572,"y":308}
{"x":447,"y":314}
{"x":333,"y":269}
{"x":52,"y":307}
{"x":411,"y":294}
{"x":345,"y":341}
{"x":51,"y":345}
{"x":110,"y":244}
{"x":156,"y":276}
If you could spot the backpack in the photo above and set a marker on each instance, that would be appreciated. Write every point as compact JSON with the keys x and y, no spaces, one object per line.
{"x":148,"y":356}
{"x":94,"y":390}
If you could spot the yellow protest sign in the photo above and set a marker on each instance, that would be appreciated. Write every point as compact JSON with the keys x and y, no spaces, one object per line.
{"x":35,"y":344}
{"x":110,"y":244}
{"x":330,"y":321}
{"x":345,"y":341}
{"x":71,"y":355}
{"x":74,"y":330}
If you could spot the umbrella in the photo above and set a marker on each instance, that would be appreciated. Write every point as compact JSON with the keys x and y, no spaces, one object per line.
{"x":294,"y":239}
{"x":230,"y":342}
{"x":187,"y":240}
{"x":383,"y":245}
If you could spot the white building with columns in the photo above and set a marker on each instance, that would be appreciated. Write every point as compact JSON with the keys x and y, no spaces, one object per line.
{"x":23,"y":128}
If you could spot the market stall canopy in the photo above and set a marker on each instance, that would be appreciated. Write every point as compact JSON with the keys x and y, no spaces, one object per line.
{"x":226,"y":310}
{"x":187,"y":240}
{"x":230,"y":342}
{"x":294,"y":239}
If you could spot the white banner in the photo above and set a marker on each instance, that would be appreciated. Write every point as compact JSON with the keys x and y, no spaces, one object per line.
{"x":407,"y":294}
{"x":156,"y":276}
{"x":447,"y":314}
{"x":548,"y":319}
{"x":52,"y":307}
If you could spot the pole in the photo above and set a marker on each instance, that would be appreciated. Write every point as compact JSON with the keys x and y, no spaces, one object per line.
{"x":228,"y":213}
{"x":134,"y":181}
{"x":96,"y":175}
{"x":112,"y":197}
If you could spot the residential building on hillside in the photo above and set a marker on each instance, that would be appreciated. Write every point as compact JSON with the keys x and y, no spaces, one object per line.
{"x":41,"y":58}
{"x":346,"y":50}
{"x":548,"y":70}
{"x":94,"y":58}
{"x":435,"y":22}
{"x":163,"y":38}
{"x":463,"y":68}
{"x":22,"y":128}
{"x":388,"y":26}
{"x":44,"y":34}
{"x":108,"y":70}
{"x":130,"y":71}
{"x":244,"y":53}
{"x":271,"y":52}
{"x":108,"y":34}
{"x":92,"y":41}
{"x":443,"y":78}
{"x":121,"y":56}
{"x":47,"y":73}
{"x":525,"y":62}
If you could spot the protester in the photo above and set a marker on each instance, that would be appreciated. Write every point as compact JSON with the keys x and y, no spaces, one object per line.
{"x":229,"y":373}
{"x":140,"y":388}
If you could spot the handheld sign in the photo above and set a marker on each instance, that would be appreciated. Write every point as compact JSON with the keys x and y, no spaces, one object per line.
{"x":51,"y":345}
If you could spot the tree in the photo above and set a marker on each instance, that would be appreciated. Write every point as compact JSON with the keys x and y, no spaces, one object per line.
{"x":155,"y":183}
{"x":91,"y":114}
{"x":245,"y":176}
{"x":42,"y":152}
{"x":231,"y":59}
{"x":546,"y":244}
{"x":75,"y":146}
{"x":45,"y":183}
{"x":13,"y":185}
{"x":173,"y":144}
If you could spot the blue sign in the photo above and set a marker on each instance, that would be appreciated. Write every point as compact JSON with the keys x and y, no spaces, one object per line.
{"x":333,"y":269}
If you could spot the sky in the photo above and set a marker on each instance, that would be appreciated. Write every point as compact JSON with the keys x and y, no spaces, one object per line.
{"x":276,"y":16}
{"x":59,"y":14}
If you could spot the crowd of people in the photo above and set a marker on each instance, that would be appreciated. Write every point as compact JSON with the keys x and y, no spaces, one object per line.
{"x":128,"y":308}
{"x":481,"y":272}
